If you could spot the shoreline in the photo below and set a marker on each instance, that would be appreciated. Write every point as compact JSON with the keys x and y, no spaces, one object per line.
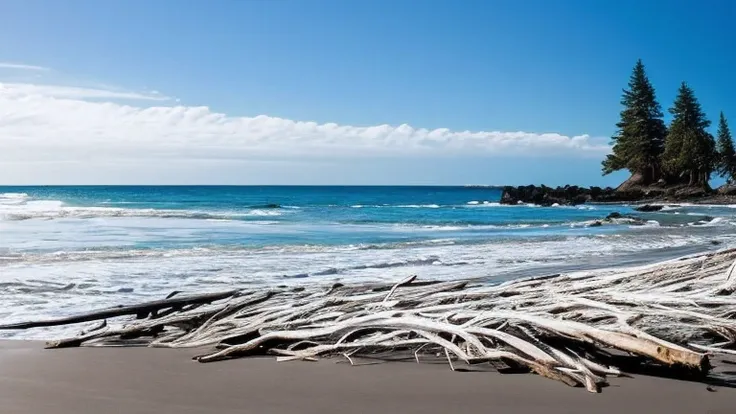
{"x":163,"y":381}
{"x":141,"y":379}
{"x":576,"y":308}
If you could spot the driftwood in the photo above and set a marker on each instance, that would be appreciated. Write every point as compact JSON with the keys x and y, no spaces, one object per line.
{"x":572,"y":328}
{"x":140,"y":310}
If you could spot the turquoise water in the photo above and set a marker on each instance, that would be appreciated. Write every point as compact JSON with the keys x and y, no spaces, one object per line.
{"x":66,"y":249}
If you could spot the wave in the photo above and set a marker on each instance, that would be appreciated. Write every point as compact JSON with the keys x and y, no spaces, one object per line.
{"x":475,"y":203}
{"x":396,"y":206}
{"x":269,"y":205}
{"x":13,"y":196}
{"x":525,"y":249}
{"x":418,"y":206}
{"x":712,"y":222}
{"x":55,"y":209}
{"x":677,"y":206}
{"x":116,"y":254}
{"x":426,"y":261}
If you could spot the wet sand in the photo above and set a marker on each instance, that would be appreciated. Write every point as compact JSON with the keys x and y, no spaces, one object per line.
{"x":163,"y":381}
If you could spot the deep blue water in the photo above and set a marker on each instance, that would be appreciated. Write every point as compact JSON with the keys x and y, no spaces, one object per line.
{"x":113,"y":244}
{"x":309,"y":215}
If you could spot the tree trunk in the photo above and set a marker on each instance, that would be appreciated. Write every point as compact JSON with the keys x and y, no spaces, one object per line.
{"x":646,"y":176}
{"x":655,"y":173}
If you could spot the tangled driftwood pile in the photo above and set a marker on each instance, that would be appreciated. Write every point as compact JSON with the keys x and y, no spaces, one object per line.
{"x":576,"y":328}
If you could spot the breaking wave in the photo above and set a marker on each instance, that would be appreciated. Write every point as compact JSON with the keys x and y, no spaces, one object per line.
{"x":54,"y":209}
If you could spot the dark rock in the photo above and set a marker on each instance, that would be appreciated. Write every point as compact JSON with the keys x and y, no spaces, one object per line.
{"x":703,"y":221}
{"x":548,"y":196}
{"x":630,"y":191}
{"x":269,"y":205}
{"x":595,"y":192}
{"x":595,"y":224}
{"x":715,"y":242}
{"x":646,"y":208}
{"x":618,"y":218}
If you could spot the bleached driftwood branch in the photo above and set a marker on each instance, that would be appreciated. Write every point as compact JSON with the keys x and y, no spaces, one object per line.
{"x":571,"y":328}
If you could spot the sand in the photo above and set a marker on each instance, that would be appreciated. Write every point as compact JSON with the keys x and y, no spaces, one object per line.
{"x":162,"y":381}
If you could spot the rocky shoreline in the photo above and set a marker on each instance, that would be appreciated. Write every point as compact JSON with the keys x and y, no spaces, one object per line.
{"x":574,"y":195}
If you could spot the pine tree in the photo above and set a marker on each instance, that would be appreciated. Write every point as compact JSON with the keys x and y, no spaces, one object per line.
{"x":639,"y":140}
{"x":690,"y":151}
{"x":726,"y":152}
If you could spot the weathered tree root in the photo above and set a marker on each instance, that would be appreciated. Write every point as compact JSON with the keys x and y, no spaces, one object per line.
{"x":139,"y":310}
{"x":564,"y":327}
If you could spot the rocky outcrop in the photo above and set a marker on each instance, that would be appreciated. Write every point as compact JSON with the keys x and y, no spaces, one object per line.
{"x":573,"y":195}
{"x":567,"y":195}
{"x":547,"y":196}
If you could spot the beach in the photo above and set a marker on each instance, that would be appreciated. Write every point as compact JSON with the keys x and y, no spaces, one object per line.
{"x":162,"y":381}
{"x":343,"y":260}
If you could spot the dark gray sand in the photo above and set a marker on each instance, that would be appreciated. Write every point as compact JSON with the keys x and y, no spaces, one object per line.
{"x":162,"y":381}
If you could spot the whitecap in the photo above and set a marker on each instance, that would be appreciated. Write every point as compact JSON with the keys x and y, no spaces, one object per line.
{"x":419,"y":206}
{"x":56,"y":209}
{"x":718,"y":221}
{"x":486,"y":204}
{"x":13,"y":196}
{"x":259,"y":213}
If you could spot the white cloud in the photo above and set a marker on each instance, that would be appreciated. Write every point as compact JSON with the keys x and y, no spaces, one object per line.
{"x":20,"y":90}
{"x":20,"y":66}
{"x":51,"y":124}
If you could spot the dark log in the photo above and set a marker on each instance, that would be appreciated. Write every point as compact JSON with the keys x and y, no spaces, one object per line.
{"x":121,"y":310}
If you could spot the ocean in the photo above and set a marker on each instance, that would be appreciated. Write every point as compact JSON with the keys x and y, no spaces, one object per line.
{"x":65,"y":250}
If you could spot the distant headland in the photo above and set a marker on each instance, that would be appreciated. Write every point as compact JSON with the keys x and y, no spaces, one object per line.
{"x":668,"y":163}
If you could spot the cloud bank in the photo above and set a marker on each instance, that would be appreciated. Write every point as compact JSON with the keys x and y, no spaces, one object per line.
{"x":46,"y":123}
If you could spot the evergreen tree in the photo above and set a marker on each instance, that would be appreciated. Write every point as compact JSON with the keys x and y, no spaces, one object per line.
{"x":639,"y":140}
{"x":726,"y":152}
{"x":690,"y":151}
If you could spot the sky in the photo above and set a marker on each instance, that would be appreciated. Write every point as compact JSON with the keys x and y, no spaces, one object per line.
{"x":341,"y":92}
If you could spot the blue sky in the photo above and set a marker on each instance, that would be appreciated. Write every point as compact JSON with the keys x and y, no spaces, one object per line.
{"x":502,"y":67}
